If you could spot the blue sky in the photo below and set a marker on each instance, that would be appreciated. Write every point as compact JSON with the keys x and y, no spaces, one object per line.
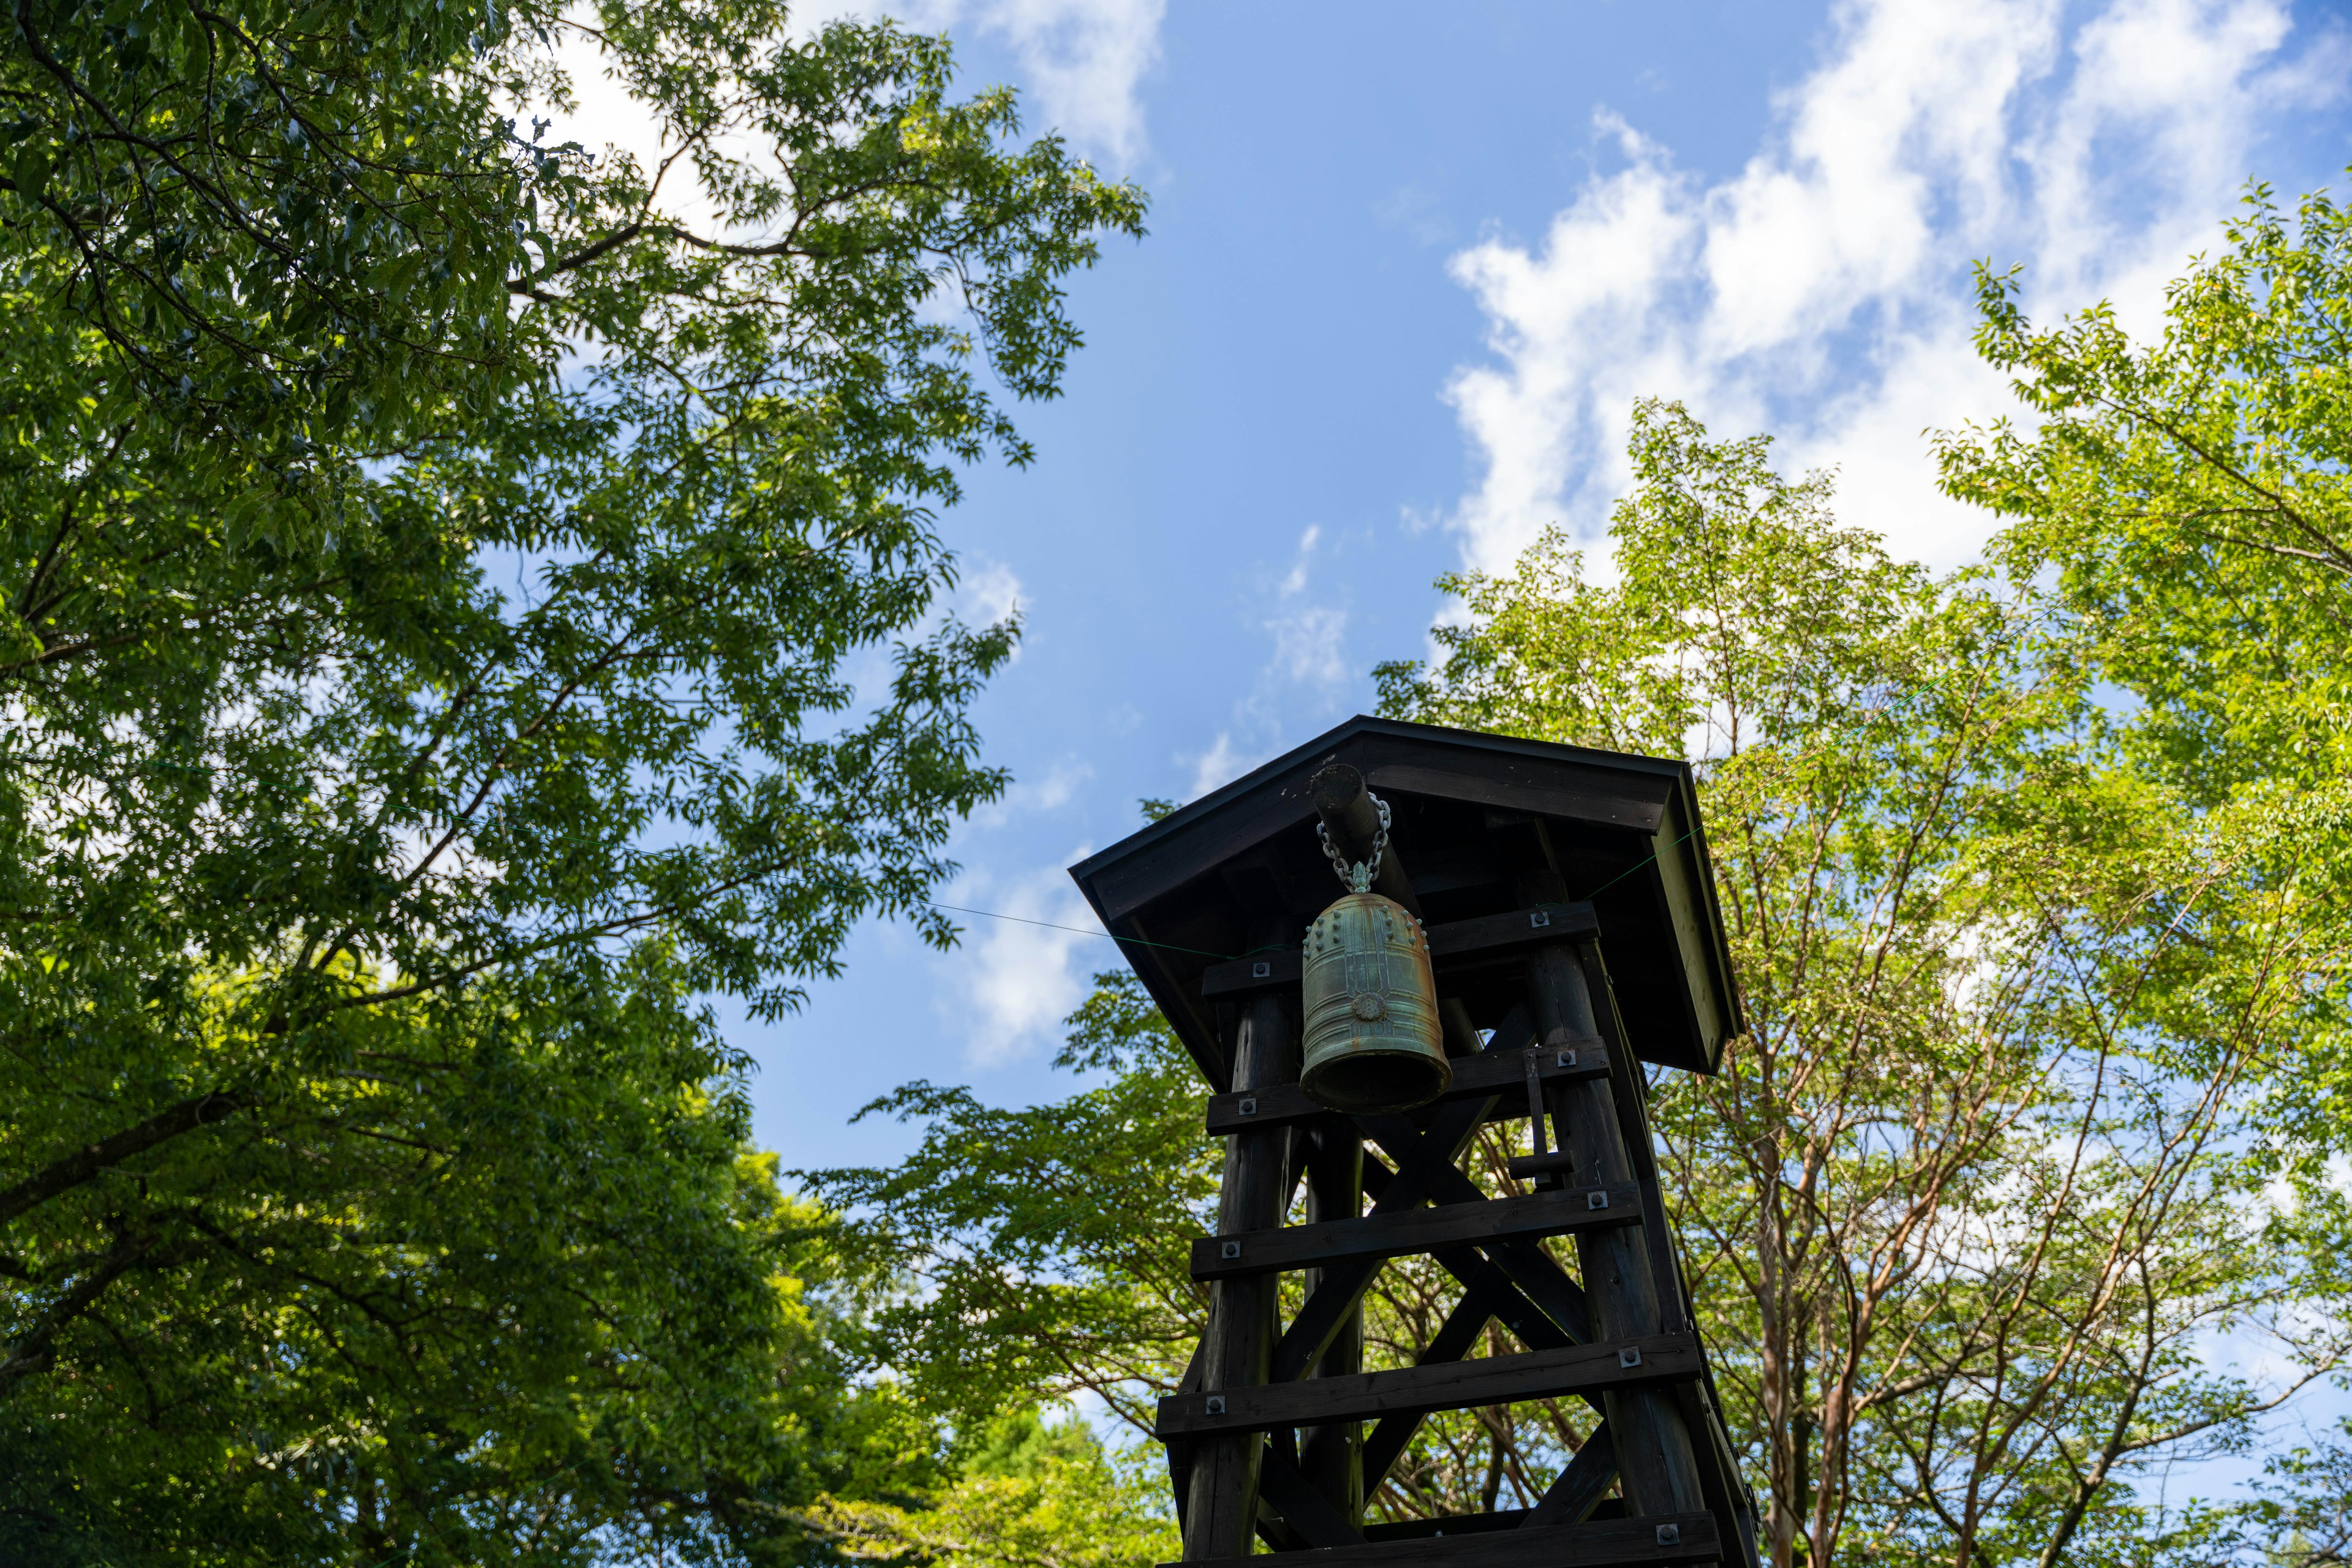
{"x":1409,"y":267}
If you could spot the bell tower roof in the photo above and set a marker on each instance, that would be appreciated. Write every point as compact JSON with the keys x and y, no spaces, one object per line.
{"x":1476,"y":817}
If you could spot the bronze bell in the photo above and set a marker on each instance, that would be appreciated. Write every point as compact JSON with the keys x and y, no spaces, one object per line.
{"x":1373,"y":1039}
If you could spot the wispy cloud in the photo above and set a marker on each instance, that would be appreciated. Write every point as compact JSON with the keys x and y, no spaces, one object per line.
{"x":1306,"y":672}
{"x":1821,"y":292}
{"x":1082,"y":69}
{"x":1083,"y":61}
{"x":1220,"y":764}
{"x":1307,"y":637}
{"x":1011,"y":982}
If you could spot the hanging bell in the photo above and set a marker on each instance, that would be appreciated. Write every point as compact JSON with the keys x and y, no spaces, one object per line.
{"x":1373,"y":1039}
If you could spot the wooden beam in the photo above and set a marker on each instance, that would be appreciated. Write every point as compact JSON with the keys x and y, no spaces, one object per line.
{"x":1415,"y":1230}
{"x":1426,"y":1159}
{"x":1446,"y":1525}
{"x":1488,"y":1291}
{"x":1529,"y":1267}
{"x":1312,"y":1517}
{"x":1511,"y":931}
{"x":1581,"y":1483}
{"x":1452,"y":1340}
{"x":1678,"y":1538}
{"x":1417,"y":1390}
{"x":1490,"y":1072}
{"x":1486,"y":936}
{"x":1353,"y":823}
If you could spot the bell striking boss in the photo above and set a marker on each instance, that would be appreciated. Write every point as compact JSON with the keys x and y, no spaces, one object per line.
{"x":1373,"y":1040}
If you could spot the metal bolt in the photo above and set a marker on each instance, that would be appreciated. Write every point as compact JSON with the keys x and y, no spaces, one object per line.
{"x":1566,"y":1058}
{"x":1629,"y":1357}
{"x":1670,"y":1535}
{"x":1596,"y":1200}
{"x":1232,"y":1250}
{"x":1249,"y":1107}
{"x":1539,"y":918}
{"x":1216,"y":1404}
{"x":1260,"y":970}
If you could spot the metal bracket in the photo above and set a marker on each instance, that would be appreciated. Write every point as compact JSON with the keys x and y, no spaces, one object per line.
{"x":1534,"y":1102}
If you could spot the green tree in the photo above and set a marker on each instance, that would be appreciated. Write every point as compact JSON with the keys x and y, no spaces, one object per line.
{"x":1964,"y":1209}
{"x":2192,"y":495}
{"x":2186,"y":493}
{"x":460,"y":615}
{"x":1967,"y":1202}
{"x":1031,"y":1495}
{"x":1050,"y":1241}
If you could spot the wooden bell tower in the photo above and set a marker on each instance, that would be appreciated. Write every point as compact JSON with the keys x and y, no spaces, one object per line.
{"x":1522,"y":859}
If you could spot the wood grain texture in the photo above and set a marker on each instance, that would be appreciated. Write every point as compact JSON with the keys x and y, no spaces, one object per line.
{"x":1415,"y":1230}
{"x":1581,"y":1482}
{"x":1220,"y":1511}
{"x":1417,"y":1390}
{"x":1486,"y":1075}
{"x":1279,"y":967}
{"x":1601,"y":1545}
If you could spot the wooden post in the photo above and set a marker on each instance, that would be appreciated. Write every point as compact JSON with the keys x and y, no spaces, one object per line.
{"x":1656,"y":1465}
{"x":1220,"y":1505}
{"x":1333,"y":1456}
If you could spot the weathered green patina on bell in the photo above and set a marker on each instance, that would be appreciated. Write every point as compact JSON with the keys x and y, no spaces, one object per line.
{"x":1372,"y":1036}
{"x":1373,"y":1040}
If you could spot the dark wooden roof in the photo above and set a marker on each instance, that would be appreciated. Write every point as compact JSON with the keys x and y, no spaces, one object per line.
{"x":1472,"y":816}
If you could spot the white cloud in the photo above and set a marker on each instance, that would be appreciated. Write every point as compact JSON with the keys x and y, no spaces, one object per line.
{"x":1307,"y":645}
{"x":1306,"y":671}
{"x":1049,"y":793}
{"x":1083,"y":61}
{"x":1295,"y":584}
{"x":987,"y":594}
{"x":1015,"y":979}
{"x":1823,"y":292}
{"x":1219,"y":765}
{"x":1082,"y":67}
{"x":1307,"y":637}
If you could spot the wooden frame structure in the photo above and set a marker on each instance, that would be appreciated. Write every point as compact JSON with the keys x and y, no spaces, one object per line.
{"x":1518,"y":856}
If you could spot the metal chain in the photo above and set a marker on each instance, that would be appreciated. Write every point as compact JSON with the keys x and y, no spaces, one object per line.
{"x":1358,"y":877}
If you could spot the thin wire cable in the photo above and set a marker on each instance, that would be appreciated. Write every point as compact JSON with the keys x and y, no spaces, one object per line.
{"x":1081,"y":931}
{"x":1635,"y":866}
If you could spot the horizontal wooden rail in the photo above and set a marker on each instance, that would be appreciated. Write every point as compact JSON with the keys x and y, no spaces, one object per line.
{"x":1514,"y":928}
{"x":1448,"y":1524}
{"x":1439,"y":1386}
{"x":1415,"y":1230}
{"x":1475,"y":1078}
{"x":1671,"y":1537}
{"x":1279,"y":967}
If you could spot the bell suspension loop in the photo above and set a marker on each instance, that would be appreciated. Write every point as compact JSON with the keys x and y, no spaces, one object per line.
{"x":1358,"y":878}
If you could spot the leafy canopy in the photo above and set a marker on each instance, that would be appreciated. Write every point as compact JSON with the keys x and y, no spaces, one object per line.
{"x":466,"y":601}
{"x":2191,"y":492}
